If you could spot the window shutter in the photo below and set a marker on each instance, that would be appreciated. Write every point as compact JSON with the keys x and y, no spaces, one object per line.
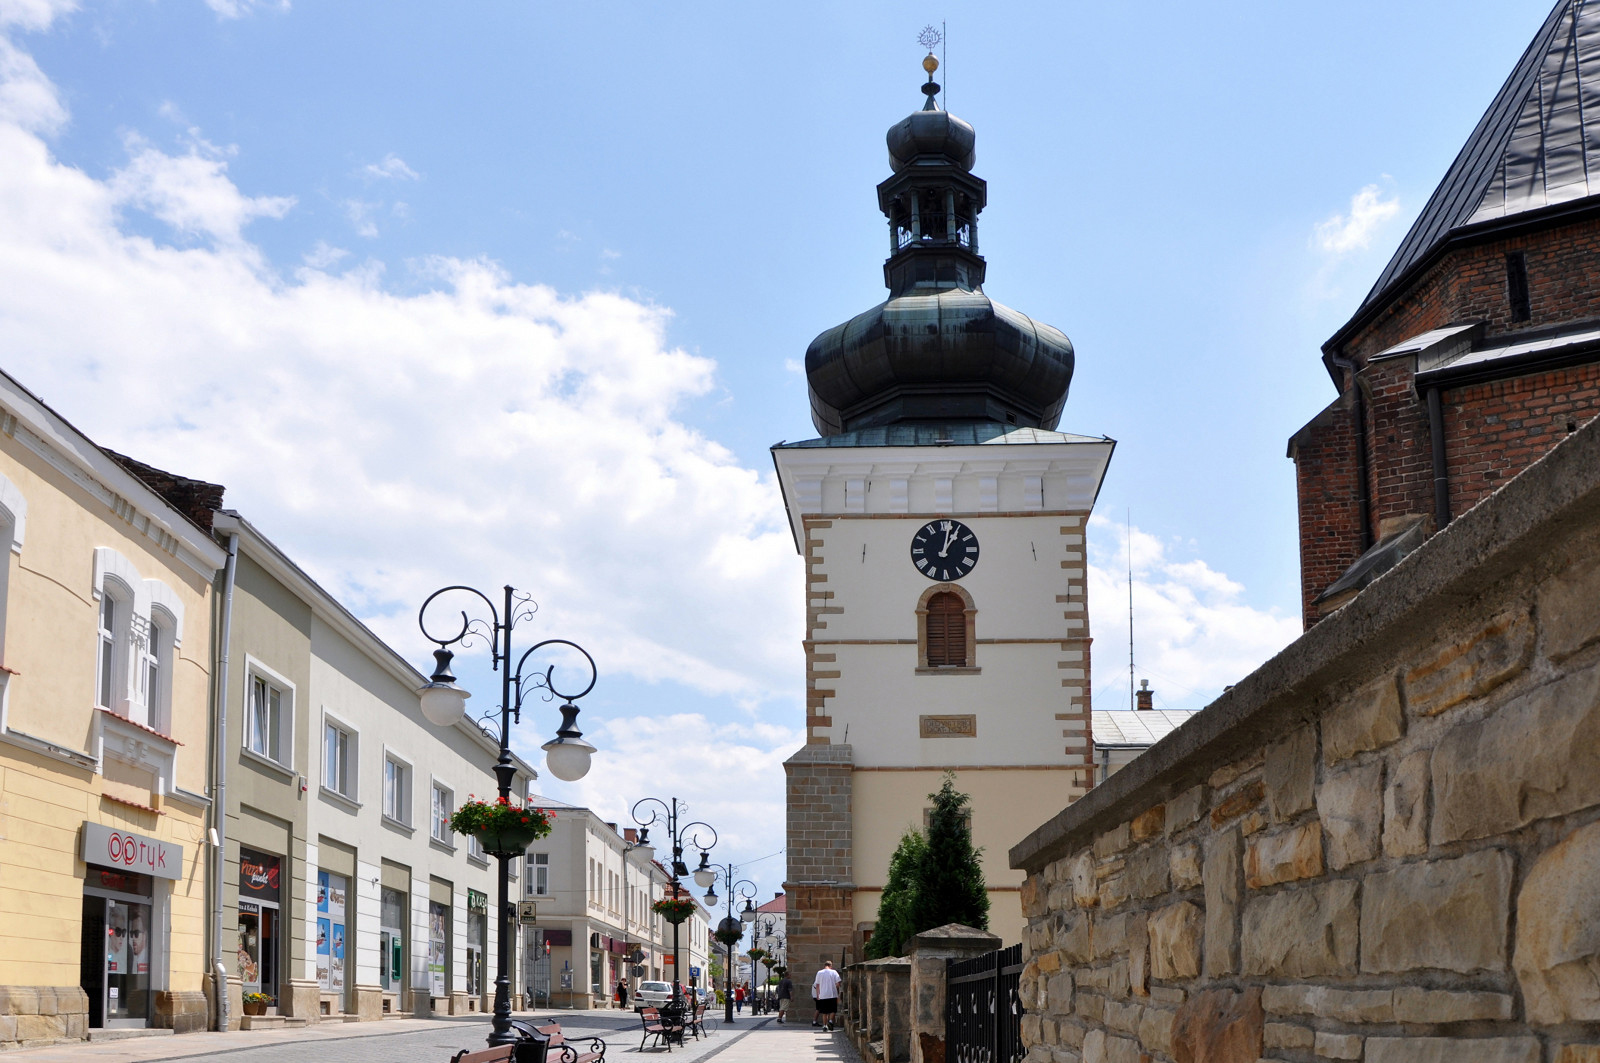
{"x":947,"y":631}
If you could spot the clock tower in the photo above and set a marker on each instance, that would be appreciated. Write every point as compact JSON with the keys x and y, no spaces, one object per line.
{"x":942,"y":521}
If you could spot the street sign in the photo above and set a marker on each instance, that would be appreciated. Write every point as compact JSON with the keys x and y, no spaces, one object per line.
{"x":669,"y":959}
{"x":636,"y":956}
{"x":527,"y":912}
{"x":694,"y":972}
{"x":638,"y":971}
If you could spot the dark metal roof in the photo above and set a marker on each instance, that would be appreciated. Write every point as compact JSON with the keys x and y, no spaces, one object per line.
{"x":940,"y":435}
{"x":1535,"y":146}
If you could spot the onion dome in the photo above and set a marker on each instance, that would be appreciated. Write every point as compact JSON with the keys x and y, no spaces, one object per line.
{"x":938,"y":350}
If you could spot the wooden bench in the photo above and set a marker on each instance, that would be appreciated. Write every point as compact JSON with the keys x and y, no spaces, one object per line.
{"x":697,"y":1023}
{"x":663,"y":1031}
{"x":560,"y":1049}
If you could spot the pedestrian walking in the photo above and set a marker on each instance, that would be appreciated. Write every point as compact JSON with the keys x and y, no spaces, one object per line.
{"x":785,"y":991}
{"x":738,"y":998}
{"x":826,"y":991}
{"x":622,"y":993}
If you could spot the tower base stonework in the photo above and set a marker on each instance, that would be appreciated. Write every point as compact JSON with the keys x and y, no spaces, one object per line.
{"x":819,"y":885}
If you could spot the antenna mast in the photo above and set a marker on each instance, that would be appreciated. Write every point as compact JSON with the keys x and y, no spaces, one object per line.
{"x":1133,"y":697}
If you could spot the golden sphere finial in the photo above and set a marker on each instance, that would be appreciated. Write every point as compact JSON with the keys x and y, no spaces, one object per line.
{"x":930,"y":64}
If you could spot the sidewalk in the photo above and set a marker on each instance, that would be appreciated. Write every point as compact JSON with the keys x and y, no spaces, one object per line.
{"x":749,"y":1040}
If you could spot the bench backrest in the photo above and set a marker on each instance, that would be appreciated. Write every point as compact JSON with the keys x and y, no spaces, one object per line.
{"x":498,"y":1054}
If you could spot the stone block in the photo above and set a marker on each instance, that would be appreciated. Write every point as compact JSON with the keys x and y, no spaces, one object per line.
{"x":1147,"y":873}
{"x":1033,"y":896}
{"x":1048,"y":962}
{"x":1569,"y":609}
{"x":1110,"y":935}
{"x":1287,"y":999}
{"x":1219,"y":1026}
{"x":1121,"y":1016}
{"x":1155,"y":1029}
{"x":1175,"y":941}
{"x":1094,"y":1046}
{"x":1073,"y":937}
{"x":1287,"y":1035}
{"x":1185,"y":809}
{"x":1228,"y":773}
{"x":1370,"y":718}
{"x":1290,"y":774}
{"x":1085,"y":890}
{"x":1236,"y":804}
{"x":1538,"y":756}
{"x":1139,"y":966}
{"x":1577,"y":1054}
{"x":1415,"y":1004}
{"x":1112,"y":841}
{"x":1058,"y":991}
{"x":1405,"y":807}
{"x":1302,"y":933}
{"x":1183,"y":866}
{"x":1443,"y":914}
{"x":1452,"y":1050}
{"x":1473,"y":667}
{"x":40,"y":1028}
{"x":1283,"y":856}
{"x":1338,"y":1045}
{"x":1164,"y":994}
{"x":1352,"y":1005}
{"x":1221,"y":879}
{"x":19,"y":1000}
{"x":1148,"y":823}
{"x":1088,"y":1006}
{"x":1350,"y":805}
{"x":1557,"y":958}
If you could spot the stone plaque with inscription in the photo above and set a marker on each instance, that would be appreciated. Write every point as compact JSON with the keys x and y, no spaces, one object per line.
{"x":948,"y":726}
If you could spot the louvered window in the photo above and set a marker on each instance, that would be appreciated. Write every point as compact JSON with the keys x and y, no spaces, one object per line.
{"x":947,"y":631}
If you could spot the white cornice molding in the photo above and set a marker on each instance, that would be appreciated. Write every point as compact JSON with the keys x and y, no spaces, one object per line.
{"x":44,"y":432}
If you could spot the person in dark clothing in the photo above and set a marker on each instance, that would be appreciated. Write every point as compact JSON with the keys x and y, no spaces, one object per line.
{"x":785,"y":994}
{"x":622,"y":993}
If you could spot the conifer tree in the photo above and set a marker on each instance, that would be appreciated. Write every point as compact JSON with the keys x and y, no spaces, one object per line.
{"x":949,"y":882}
{"x":893,"y":928}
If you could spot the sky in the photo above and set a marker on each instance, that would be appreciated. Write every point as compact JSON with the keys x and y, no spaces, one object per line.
{"x":519,"y":293}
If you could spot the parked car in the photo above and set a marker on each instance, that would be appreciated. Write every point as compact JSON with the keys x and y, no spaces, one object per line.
{"x":653,"y":994}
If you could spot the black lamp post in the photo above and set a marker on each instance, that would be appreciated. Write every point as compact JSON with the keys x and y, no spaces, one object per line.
{"x":669,"y":811}
{"x":567,"y":754}
{"x":729,"y":930}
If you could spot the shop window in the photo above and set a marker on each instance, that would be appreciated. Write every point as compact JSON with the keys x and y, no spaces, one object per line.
{"x":339,"y":758}
{"x":439,"y":821}
{"x":332,"y":936}
{"x":396,"y":789}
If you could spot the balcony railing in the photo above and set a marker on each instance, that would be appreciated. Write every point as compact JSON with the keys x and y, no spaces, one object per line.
{"x":933,"y":230}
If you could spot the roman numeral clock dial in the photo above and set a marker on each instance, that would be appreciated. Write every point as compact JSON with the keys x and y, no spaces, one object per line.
{"x":944,"y":550}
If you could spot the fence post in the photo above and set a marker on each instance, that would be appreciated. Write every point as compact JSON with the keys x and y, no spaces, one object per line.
{"x":931,"y":952}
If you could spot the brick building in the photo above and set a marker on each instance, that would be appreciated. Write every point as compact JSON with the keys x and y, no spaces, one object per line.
{"x":1478,"y":349}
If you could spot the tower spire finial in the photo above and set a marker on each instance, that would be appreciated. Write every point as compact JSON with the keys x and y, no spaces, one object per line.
{"x":929,"y":38}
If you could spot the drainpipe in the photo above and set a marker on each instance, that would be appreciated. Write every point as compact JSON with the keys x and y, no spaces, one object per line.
{"x":1441,"y":474}
{"x":219,"y":795}
{"x":1364,"y":494}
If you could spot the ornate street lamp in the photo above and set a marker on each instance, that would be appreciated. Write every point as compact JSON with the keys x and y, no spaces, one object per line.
{"x":567,"y":754}
{"x":729,"y":930}
{"x":669,"y":812}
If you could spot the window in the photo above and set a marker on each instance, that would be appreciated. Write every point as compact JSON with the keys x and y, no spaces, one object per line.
{"x":264,"y":720}
{"x":539,"y":874}
{"x":156,"y":672}
{"x":105,"y":684}
{"x":338,"y":759}
{"x":947,"y":631}
{"x":439,"y":824}
{"x":475,"y":848}
{"x":396,"y":789}
{"x":1517,"y":292}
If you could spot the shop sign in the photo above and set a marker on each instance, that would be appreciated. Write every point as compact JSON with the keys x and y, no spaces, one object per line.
{"x":477,"y":901}
{"x":122,"y":849}
{"x":528,"y":912}
{"x":258,"y":875}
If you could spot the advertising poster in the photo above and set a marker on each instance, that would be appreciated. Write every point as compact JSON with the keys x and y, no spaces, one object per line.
{"x":331,"y":891}
{"x":116,"y":938}
{"x":438,"y":923}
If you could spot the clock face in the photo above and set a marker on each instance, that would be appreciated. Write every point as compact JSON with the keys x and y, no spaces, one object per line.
{"x":944,"y":550}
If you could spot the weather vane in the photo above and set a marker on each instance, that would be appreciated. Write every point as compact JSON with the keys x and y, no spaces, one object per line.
{"x":929,"y":38}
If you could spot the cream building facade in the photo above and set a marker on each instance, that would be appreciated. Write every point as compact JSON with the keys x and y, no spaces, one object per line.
{"x":344,"y":893}
{"x":107,"y":606}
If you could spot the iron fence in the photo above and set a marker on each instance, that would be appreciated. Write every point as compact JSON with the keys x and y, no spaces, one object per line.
{"x":983,"y":1011}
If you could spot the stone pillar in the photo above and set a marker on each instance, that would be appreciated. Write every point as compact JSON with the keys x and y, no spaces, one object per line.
{"x":820,"y":876}
{"x":301,"y":998}
{"x":181,"y":1011}
{"x":930,"y":950}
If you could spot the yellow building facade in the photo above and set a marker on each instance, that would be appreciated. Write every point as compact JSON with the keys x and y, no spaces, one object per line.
{"x":105,"y":640}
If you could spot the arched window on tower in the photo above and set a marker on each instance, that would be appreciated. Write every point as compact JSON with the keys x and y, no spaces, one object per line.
{"x":947,"y":631}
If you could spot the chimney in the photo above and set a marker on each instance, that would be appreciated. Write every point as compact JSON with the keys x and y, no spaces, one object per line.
{"x":1144,"y":698}
{"x":629,"y":834}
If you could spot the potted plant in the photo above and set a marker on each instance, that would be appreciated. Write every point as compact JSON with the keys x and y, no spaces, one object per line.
{"x":502,"y":825}
{"x":258,"y":1003}
{"x":673,"y":909}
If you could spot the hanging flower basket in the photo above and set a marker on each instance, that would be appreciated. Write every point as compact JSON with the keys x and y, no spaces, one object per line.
{"x":501,"y":826}
{"x":673,"y":910}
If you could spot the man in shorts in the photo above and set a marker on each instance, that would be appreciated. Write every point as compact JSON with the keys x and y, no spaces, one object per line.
{"x":826,"y":990}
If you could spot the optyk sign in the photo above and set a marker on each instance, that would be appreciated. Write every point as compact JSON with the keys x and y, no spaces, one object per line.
{"x":133,"y":852}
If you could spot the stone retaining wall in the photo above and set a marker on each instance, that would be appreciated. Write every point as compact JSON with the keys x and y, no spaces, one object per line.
{"x":1384,"y":844}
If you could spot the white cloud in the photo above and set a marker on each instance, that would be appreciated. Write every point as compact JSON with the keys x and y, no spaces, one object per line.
{"x":241,"y":8}
{"x":390,"y":168}
{"x":191,"y":192}
{"x":27,"y":98}
{"x":33,"y":14}
{"x":324,"y":255}
{"x":1343,"y":233}
{"x":1193,"y":633}
{"x":360,"y":214}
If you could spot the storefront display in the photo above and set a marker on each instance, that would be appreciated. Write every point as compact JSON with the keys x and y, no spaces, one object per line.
{"x":260,"y":928}
{"x":391,"y":940}
{"x":438,"y":948}
{"x":331,"y":934}
{"x":477,"y":933}
{"x":118,"y":947}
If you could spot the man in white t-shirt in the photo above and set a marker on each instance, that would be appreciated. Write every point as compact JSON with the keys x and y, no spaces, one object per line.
{"x":826,"y":991}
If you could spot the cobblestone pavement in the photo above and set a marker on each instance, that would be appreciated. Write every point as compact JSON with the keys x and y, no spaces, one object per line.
{"x":749,"y":1040}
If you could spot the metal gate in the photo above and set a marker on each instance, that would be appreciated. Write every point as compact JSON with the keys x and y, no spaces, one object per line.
{"x":983,"y":1011}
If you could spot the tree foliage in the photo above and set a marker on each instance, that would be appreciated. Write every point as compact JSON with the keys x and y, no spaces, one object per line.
{"x":893,"y":928}
{"x":950,"y":887}
{"x":933,"y":879}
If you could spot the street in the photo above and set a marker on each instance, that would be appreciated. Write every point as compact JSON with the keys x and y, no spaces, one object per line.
{"x":435,"y":1041}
